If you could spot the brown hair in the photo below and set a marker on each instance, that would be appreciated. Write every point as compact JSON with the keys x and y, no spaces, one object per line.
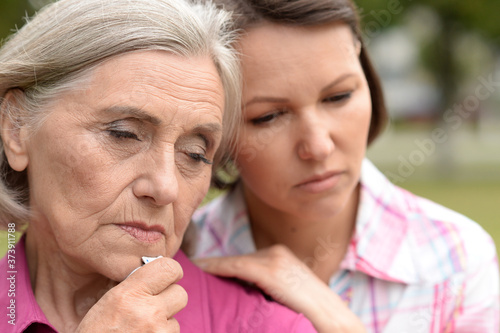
{"x":251,"y":13}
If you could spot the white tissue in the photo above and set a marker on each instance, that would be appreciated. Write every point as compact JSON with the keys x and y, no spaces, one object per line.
{"x":145,"y":260}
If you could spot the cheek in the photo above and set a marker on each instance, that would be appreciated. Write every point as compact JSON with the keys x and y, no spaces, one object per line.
{"x":86,"y":171}
{"x":191,"y":194}
{"x":356,"y":123}
{"x":262,"y":169}
{"x":365,"y":110}
{"x":80,"y":179}
{"x":251,"y":157}
{"x":255,"y":142}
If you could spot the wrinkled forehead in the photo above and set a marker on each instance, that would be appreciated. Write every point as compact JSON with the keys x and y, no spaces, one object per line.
{"x":195,"y":77}
{"x":154,"y":87}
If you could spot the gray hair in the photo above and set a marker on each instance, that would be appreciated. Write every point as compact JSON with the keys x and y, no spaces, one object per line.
{"x":68,"y":38}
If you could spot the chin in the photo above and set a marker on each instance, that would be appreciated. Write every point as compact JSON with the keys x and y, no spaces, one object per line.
{"x":117,"y":267}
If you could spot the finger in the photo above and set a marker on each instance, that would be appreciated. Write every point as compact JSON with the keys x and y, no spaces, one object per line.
{"x":172,"y":300}
{"x":173,"y":326}
{"x":154,"y":277}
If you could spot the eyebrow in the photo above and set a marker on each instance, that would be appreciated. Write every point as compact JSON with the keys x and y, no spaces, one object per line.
{"x":337,"y":81}
{"x":264,"y":99}
{"x":209,"y":128}
{"x":277,"y":100}
{"x":212,"y":128}
{"x":135,"y":112}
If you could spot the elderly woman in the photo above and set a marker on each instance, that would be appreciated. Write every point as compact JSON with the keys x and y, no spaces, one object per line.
{"x":111,"y":115}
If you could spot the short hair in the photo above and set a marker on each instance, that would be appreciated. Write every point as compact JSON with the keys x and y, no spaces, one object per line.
{"x":69,"y":38}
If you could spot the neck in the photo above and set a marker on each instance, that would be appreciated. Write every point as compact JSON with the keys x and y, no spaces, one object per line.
{"x":320,"y":243}
{"x":63,"y":294}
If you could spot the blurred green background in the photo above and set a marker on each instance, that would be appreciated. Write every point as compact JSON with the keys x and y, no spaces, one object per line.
{"x":432,"y":56}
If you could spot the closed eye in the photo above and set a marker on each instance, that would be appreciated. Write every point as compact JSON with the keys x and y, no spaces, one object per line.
{"x":338,"y":98}
{"x":199,"y":158}
{"x":267,"y":118}
{"x":123,"y":135}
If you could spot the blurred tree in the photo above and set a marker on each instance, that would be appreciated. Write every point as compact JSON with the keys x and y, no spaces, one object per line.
{"x":456,"y":17}
{"x":12,"y":14}
{"x":481,"y":15}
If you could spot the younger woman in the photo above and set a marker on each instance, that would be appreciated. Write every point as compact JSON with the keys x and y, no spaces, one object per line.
{"x":311,"y":221}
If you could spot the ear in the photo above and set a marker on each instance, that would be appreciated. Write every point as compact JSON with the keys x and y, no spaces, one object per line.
{"x":13,"y":135}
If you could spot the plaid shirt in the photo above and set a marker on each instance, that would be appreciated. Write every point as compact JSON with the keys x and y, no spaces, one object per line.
{"x":411,"y":266}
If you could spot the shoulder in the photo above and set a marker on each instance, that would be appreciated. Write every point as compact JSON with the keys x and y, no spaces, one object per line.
{"x":434,"y":241}
{"x":205,"y":215}
{"x":456,"y":242}
{"x":224,"y":209}
{"x":244,"y":309}
{"x":227,"y":306}
{"x":223,"y":226}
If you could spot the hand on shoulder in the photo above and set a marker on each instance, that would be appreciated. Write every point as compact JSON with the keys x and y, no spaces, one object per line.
{"x":281,"y":275}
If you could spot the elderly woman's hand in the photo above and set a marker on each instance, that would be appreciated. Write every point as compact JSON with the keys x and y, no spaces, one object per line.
{"x":140,"y":302}
{"x":280,"y":274}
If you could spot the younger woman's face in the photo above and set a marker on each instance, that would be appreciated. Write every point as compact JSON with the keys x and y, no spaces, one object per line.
{"x":307,"y":111}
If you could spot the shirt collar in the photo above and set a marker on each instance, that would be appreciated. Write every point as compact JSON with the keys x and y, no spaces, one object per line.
{"x":381,"y":229}
{"x":400,"y":237}
{"x":232,"y":232}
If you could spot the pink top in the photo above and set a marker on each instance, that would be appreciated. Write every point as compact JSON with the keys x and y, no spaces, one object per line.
{"x":215,"y":305}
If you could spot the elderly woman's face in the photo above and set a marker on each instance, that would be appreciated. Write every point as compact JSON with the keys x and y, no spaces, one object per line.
{"x":119,"y":166}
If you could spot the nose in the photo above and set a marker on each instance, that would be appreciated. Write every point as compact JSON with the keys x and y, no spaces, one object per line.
{"x":157,"y":181}
{"x":316,"y":140}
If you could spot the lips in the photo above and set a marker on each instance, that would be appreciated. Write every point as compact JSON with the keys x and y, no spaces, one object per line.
{"x":320,"y":183}
{"x":143,"y":232}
